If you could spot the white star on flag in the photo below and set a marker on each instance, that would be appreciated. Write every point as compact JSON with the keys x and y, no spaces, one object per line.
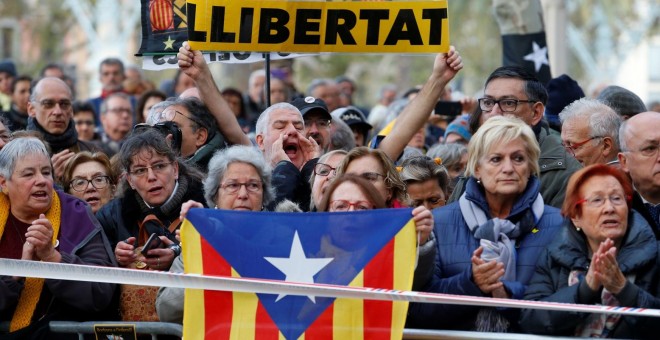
{"x":539,"y":56}
{"x":297,"y":267}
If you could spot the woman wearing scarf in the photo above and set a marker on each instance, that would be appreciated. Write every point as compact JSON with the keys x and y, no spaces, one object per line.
{"x":489,"y":241}
{"x":38,"y":223}
{"x":156,"y":184}
{"x":607,"y":254}
{"x":238,"y":179}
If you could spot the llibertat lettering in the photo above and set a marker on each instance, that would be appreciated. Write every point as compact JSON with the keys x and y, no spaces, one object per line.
{"x":315,"y":27}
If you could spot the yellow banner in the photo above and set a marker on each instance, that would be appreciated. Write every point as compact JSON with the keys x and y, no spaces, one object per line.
{"x":314,"y":27}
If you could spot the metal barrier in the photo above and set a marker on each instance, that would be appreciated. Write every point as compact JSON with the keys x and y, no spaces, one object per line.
{"x":163,"y":328}
{"x":152,"y":328}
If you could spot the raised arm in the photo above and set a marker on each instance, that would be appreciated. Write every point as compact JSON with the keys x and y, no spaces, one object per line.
{"x":415,"y":115}
{"x":192,"y":63}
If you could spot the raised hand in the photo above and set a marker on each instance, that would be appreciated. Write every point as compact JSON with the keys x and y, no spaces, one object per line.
{"x":608,"y":271}
{"x":309,"y":147}
{"x":185,"y":207}
{"x":192,"y":62}
{"x":40,"y":236}
{"x":423,"y":223}
{"x":59,"y":162}
{"x":447,"y":65}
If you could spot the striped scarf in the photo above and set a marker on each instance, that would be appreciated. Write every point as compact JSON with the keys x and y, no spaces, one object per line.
{"x":29,"y":298}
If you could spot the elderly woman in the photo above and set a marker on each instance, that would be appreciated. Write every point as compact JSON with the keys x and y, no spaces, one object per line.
{"x":89,"y":177}
{"x":606,"y":255}
{"x":426,"y":181}
{"x":238,"y":179}
{"x":454,"y":159}
{"x":38,"y":223}
{"x":324,"y":171}
{"x":489,"y":241}
{"x":157,"y":184}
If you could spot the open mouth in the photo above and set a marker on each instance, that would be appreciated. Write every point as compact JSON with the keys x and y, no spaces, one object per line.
{"x":155,"y":190}
{"x":610,"y":223}
{"x":93,"y":200}
{"x":291,"y":149}
{"x":40,"y":194}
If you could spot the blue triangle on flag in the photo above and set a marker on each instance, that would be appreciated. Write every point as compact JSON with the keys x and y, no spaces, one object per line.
{"x":246,"y":239}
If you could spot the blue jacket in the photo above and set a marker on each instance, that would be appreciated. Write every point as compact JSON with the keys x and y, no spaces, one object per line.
{"x":453,"y":271}
{"x":638,"y":255}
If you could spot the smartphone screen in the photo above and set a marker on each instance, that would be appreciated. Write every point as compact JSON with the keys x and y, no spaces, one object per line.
{"x":449,"y":109}
{"x":152,"y":243}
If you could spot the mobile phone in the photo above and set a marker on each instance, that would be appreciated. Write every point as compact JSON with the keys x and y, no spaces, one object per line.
{"x":449,"y":109}
{"x":152,"y":243}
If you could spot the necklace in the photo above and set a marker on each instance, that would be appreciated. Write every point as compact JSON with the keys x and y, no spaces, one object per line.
{"x":18,"y":232}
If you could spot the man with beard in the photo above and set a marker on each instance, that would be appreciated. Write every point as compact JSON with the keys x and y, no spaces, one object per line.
{"x":280,"y":136}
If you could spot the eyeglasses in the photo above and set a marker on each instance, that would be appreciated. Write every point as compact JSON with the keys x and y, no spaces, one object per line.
{"x":84,"y":122}
{"x":250,"y":186}
{"x":321,"y":169}
{"x":432,"y":201}
{"x":321,"y":123}
{"x":650,"y":150}
{"x":120,"y":110}
{"x":157,"y":168}
{"x":344,"y":205}
{"x":98,"y":182}
{"x":64,"y":104}
{"x":168,"y":115}
{"x":371,"y":176}
{"x":571,"y":148}
{"x":506,"y":105}
{"x":598,"y":201}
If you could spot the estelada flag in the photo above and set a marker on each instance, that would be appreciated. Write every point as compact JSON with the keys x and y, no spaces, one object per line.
{"x":360,"y":249}
{"x":164,"y":26}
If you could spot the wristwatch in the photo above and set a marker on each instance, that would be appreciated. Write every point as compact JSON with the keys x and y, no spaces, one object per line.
{"x":176,"y":248}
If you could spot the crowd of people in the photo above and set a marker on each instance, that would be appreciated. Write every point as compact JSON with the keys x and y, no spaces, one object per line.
{"x":534,"y":191}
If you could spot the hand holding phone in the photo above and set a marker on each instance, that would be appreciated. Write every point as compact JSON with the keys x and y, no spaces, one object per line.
{"x":152,"y":243}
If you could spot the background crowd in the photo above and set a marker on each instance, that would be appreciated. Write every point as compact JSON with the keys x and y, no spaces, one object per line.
{"x":531,"y":191}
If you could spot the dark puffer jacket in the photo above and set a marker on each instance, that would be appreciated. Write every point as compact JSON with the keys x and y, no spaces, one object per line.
{"x":638,"y":255}
{"x":453,"y":272}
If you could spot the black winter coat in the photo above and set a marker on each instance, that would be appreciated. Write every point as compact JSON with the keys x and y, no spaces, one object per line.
{"x":638,"y":255}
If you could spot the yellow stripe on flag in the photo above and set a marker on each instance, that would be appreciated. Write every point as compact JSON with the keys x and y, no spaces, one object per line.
{"x":194,"y":298}
{"x":349,"y":312}
{"x":244,"y":314}
{"x":404,"y":266}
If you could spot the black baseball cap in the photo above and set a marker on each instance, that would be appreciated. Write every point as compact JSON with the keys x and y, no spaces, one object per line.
{"x":311,"y":104}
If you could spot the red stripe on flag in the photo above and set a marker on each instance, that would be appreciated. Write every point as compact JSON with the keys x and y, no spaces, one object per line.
{"x":379,"y":273}
{"x":218,"y":305}
{"x":321,"y":329}
{"x":265,"y":328}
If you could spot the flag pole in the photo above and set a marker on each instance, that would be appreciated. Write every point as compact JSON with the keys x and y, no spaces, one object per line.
{"x":267,"y":83}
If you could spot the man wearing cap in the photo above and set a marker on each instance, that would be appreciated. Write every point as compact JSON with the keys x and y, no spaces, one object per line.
{"x":317,"y":119}
{"x":623,"y":101}
{"x":7,"y":75}
{"x":640,"y":158}
{"x":458,"y":131}
{"x":354,"y":118}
